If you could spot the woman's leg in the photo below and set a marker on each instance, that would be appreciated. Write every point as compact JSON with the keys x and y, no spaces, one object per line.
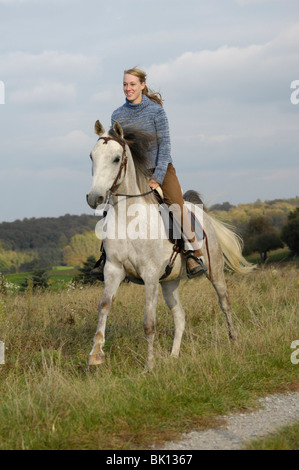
{"x":173,"y":196}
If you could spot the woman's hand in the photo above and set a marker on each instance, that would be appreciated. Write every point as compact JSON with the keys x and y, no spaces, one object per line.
{"x":153,"y":184}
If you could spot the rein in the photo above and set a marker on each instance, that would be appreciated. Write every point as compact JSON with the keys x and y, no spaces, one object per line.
{"x":133,"y":195}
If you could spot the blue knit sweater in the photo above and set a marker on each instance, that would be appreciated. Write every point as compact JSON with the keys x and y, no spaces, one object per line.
{"x":150,"y":117}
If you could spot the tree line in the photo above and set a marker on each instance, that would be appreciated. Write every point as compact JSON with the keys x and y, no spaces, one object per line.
{"x":35,"y":243}
{"x":36,"y":233}
{"x":41,"y":243}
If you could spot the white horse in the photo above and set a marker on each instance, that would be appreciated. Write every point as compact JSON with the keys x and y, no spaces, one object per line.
{"x":118,"y":163}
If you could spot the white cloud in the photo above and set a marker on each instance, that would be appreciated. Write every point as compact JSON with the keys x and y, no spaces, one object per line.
{"x":103,"y":96}
{"x":254,"y":73}
{"x":241,"y":186}
{"x":49,"y":78}
{"x":13,"y":2}
{"x":249,"y":2}
{"x":284,"y":174}
{"x":75,"y":144}
{"x":42,"y":175}
{"x":23,"y":66}
{"x":46,"y":93}
{"x":214,"y":138}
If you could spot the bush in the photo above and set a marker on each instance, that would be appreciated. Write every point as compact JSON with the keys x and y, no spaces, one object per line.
{"x":266,"y":242}
{"x":261,"y":237}
{"x":3,"y":287}
{"x":84,"y":275}
{"x":290,"y":232}
{"x":38,"y":279}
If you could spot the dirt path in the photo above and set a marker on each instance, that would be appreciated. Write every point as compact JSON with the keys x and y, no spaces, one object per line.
{"x":277,"y":411}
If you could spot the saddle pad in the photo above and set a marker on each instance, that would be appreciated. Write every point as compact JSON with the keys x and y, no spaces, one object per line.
{"x":173,"y":229}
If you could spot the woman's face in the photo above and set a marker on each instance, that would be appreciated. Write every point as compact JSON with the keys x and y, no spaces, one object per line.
{"x":133,"y":88}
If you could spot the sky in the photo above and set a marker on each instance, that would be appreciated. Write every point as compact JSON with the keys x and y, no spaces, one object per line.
{"x":228,"y":71}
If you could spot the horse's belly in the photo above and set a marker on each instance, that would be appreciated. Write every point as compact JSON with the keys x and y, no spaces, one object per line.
{"x":130,"y":270}
{"x":178,"y":270}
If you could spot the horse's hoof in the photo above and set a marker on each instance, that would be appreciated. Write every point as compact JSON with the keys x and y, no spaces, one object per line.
{"x":96,"y":360}
{"x":150,"y":365}
{"x":233,"y":336}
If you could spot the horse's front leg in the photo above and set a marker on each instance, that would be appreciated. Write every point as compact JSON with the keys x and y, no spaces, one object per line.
{"x":149,"y":322}
{"x":113,"y":277}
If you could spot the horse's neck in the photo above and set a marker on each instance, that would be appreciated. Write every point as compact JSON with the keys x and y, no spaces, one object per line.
{"x":138,"y":214}
{"x":129,"y":185}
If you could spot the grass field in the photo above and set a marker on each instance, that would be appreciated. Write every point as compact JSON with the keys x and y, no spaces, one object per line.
{"x":51,"y":398}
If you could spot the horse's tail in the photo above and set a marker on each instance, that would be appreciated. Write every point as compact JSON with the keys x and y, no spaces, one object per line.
{"x":231,"y":244}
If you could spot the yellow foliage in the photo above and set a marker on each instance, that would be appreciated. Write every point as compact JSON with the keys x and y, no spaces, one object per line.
{"x":275,"y":212}
{"x":80,"y":248}
{"x":13,"y":259}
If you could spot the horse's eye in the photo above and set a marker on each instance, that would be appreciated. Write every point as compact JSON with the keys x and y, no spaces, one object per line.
{"x":116,"y":160}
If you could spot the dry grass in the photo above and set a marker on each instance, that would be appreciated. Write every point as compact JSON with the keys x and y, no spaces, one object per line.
{"x":51,"y":399}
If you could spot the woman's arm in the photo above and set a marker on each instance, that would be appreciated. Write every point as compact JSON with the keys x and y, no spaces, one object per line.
{"x":164,"y":147}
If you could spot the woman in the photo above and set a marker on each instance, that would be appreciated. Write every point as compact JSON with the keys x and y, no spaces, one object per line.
{"x":144,"y":108}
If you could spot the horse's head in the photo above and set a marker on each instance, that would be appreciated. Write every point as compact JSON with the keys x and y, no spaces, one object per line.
{"x":109,"y":160}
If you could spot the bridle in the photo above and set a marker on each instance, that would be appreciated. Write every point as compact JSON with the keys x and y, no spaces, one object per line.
{"x":123,"y":166}
{"x":124,"y":160}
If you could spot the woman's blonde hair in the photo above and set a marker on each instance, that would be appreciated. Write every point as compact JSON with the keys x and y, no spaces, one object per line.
{"x":152,"y":95}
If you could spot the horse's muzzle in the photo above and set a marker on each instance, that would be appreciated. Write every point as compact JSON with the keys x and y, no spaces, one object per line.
{"x":93,"y":200}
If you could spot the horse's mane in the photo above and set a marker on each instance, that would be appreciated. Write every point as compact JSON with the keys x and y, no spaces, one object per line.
{"x":139,"y":143}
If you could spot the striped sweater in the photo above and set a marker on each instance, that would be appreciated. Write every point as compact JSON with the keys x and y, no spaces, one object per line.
{"x":151,"y":117}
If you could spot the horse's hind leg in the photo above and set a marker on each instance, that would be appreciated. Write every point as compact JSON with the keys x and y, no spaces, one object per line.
{"x":113,"y":278}
{"x":220,"y":287}
{"x":171,"y":297}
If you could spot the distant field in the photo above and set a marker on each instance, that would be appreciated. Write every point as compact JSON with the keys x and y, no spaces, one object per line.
{"x":63,"y":268}
{"x":16,"y":278}
{"x":58,"y":275}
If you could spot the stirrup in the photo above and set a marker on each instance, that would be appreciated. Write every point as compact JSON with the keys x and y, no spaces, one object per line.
{"x":98,"y":269}
{"x":197,"y":271}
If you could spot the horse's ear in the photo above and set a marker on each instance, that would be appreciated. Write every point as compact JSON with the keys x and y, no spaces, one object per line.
{"x":98,"y":128}
{"x":118,"y":129}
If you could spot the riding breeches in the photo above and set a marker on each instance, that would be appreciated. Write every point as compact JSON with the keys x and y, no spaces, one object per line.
{"x":173,"y":197}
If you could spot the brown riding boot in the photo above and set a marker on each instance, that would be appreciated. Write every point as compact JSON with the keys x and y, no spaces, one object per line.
{"x":194,"y":263}
{"x":98,"y":272}
{"x":98,"y":269}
